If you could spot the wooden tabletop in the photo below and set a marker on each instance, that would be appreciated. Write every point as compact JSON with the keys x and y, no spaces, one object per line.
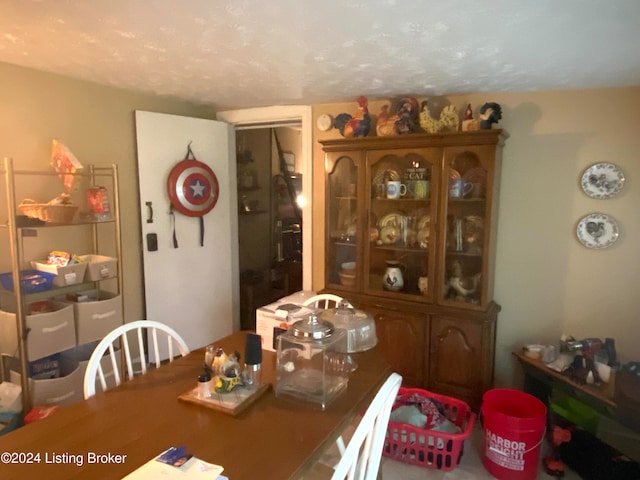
{"x":133,"y":423}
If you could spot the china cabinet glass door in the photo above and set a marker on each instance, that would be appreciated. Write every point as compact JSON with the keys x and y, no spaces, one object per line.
{"x":467,"y":217}
{"x":342,"y":221}
{"x":400,"y":258}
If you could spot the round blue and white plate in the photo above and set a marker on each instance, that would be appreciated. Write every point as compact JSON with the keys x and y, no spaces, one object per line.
{"x":597,"y":230}
{"x":602,"y":180}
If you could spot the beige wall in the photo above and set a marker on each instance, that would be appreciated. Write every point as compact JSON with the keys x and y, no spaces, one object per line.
{"x":97,"y":124}
{"x":546,"y":281}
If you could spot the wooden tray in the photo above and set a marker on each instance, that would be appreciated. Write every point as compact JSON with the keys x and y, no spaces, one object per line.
{"x":234,"y":402}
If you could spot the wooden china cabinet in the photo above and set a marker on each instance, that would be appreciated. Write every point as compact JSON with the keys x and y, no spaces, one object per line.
{"x":410,"y":238}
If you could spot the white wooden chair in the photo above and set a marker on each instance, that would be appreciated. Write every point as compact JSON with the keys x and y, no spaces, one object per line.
{"x":323,"y":300}
{"x":361,"y":457}
{"x":108,"y":344}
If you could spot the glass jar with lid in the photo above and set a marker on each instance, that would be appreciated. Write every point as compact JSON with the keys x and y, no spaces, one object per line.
{"x":308,"y":357}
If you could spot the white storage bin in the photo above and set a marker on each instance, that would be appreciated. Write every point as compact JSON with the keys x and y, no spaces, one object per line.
{"x":64,"y":390}
{"x":49,"y":332}
{"x":99,"y":267}
{"x":82,"y":354}
{"x":68,"y":275}
{"x":97,"y":316}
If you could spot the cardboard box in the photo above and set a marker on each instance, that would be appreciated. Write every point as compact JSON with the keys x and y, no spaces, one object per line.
{"x":275,"y":319}
{"x":47,"y":367}
{"x":99,"y":267}
{"x":69,"y":275}
{"x":49,"y":332}
{"x":64,"y":390}
{"x":96,"y":316}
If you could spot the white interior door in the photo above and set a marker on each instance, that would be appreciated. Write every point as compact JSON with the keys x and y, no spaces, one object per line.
{"x":192,"y":288}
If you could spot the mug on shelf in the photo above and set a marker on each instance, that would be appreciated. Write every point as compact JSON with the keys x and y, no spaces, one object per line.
{"x":458,"y":188}
{"x":421,"y":189}
{"x":478,"y":190}
{"x":396,"y":189}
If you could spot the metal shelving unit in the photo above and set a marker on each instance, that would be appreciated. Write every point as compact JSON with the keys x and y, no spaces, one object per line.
{"x":17,"y":231}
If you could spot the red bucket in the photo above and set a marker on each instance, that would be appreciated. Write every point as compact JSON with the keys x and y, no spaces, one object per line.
{"x":513,"y":425}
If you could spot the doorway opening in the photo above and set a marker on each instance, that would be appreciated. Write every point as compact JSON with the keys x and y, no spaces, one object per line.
{"x":275,"y":244}
{"x":269,"y":185}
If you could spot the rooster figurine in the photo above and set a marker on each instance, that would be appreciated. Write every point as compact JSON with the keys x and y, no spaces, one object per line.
{"x":386,"y":125}
{"x":490,"y":113}
{"x":448,"y":119}
{"x":460,"y":287}
{"x":357,"y":126}
{"x":467,"y":121}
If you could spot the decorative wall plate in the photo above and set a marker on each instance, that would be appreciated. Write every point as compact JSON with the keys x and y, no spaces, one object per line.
{"x":324,"y":122}
{"x":602,"y":180}
{"x":597,"y":230}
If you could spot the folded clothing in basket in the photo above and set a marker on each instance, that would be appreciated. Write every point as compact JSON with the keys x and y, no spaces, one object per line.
{"x":415,"y":409}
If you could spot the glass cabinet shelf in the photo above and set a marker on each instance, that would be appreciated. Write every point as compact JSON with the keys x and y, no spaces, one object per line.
{"x":414,"y":214}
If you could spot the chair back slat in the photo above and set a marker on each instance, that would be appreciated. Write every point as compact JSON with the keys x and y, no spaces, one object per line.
{"x":170,"y":348}
{"x":95,"y":373}
{"x":324,"y":301}
{"x":361,"y":457}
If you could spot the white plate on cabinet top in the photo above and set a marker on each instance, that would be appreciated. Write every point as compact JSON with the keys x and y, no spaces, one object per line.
{"x":597,"y":230}
{"x":602,"y":180}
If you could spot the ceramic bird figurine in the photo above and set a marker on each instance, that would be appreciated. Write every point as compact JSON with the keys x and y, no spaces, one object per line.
{"x":354,"y":126}
{"x":448,"y":119}
{"x":407,"y":116}
{"x":462,"y":287}
{"x":490,"y":113}
{"x":386,"y":125}
{"x":467,"y":120}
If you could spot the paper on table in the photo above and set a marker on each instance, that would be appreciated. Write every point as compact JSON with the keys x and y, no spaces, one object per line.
{"x":194,"y":469}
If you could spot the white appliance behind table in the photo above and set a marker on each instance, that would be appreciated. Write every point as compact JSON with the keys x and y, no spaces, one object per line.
{"x":276,"y":318}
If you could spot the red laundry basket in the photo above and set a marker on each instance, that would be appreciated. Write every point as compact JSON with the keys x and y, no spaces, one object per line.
{"x":425,"y":447}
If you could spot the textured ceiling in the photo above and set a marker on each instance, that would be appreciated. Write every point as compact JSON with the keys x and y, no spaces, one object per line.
{"x":247,"y":53}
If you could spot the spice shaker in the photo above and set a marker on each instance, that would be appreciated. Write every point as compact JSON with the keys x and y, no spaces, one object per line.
{"x":203,"y":384}
{"x":252,"y":359}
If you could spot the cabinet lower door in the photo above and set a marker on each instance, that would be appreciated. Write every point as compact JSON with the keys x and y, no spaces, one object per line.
{"x":457,"y":363}
{"x":401,"y":343}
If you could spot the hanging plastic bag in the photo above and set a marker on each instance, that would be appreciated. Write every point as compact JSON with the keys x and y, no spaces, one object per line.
{"x":10,"y":398}
{"x":65,"y":163}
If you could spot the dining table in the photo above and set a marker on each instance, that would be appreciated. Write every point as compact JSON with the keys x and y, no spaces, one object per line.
{"x":113,"y":433}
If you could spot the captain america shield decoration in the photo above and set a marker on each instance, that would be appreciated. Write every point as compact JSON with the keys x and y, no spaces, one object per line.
{"x":193,"y":188}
